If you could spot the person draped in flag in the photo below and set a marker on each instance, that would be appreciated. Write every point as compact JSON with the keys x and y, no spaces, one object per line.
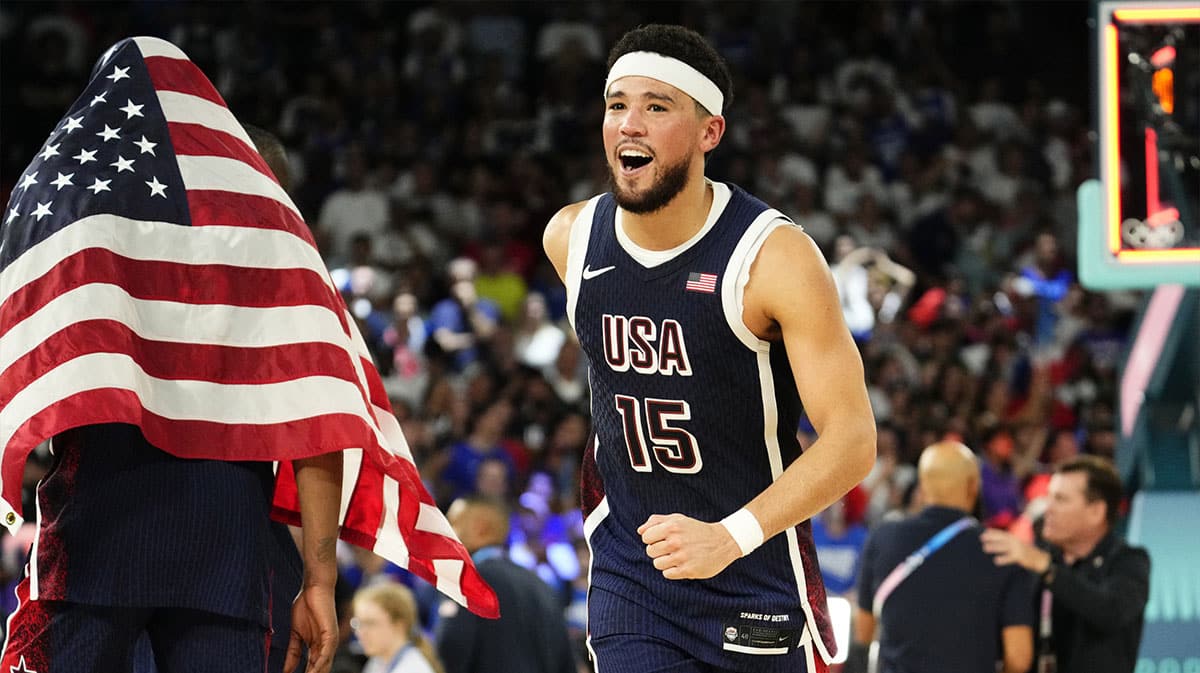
{"x":167,"y":323}
{"x":707,"y":318}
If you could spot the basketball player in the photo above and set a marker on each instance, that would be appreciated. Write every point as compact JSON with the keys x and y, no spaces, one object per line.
{"x":137,"y":543}
{"x":707,"y":317}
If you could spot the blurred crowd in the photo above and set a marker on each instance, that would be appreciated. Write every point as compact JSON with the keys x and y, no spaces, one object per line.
{"x":932,"y":149}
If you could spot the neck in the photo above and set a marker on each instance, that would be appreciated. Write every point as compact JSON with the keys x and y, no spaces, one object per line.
{"x":674,"y":223}
{"x":951,"y":503}
{"x":391,"y":652}
{"x":1080,"y":548}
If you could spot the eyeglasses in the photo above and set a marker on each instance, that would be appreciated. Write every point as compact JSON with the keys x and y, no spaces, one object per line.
{"x":360,"y":624}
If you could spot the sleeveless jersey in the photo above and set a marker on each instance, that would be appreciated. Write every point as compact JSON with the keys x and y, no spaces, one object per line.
{"x":692,"y":414}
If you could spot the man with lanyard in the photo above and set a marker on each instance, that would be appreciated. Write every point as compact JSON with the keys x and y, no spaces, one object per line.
{"x":1095,"y":586}
{"x":531,"y":634}
{"x":930,"y":594}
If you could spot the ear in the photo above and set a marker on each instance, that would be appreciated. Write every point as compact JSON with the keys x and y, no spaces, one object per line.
{"x":712,"y":130}
{"x":1097,"y":513}
{"x":973,"y":483}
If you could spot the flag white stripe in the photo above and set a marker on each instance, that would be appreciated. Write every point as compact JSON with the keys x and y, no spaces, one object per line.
{"x":177,"y":322}
{"x":184,"y":108}
{"x":393,"y":435}
{"x":351,"y":464}
{"x":257,"y":404}
{"x":449,"y":578}
{"x":389,"y":542}
{"x":247,"y":247}
{"x":153,"y":46}
{"x":230,"y":175}
{"x":430,"y":519}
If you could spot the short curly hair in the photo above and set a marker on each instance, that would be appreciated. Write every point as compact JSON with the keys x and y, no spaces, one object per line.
{"x":679,"y":43}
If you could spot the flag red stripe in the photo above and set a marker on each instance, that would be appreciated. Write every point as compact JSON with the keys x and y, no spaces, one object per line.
{"x":196,"y":140}
{"x":405,"y":472}
{"x":210,"y":207}
{"x":365,"y":510}
{"x":173,"y":74}
{"x":175,"y":361}
{"x":286,"y":501}
{"x":376,"y":393}
{"x":184,"y":438}
{"x":436,"y":545}
{"x":169,"y":281}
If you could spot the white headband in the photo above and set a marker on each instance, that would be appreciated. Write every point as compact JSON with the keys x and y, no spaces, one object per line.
{"x":669,"y":71}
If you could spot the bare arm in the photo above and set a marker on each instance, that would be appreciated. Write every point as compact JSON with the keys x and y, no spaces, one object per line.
{"x":790,"y":286}
{"x":864,"y":626}
{"x":1018,"y":648}
{"x":858,"y":256}
{"x":899,"y":273}
{"x":314,"y":617}
{"x":790,"y":293}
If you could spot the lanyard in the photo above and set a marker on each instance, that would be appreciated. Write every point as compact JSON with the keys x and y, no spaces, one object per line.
{"x":1046,"y":627}
{"x":914,"y":561}
{"x":1047,"y":662}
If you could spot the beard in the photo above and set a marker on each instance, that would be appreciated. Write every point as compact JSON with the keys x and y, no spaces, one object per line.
{"x":670,"y":182}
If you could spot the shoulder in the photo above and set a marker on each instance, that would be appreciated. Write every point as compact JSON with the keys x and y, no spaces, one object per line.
{"x":787,"y":244}
{"x":443,"y":310}
{"x":565,"y":216}
{"x":414,"y":661}
{"x":885,"y":533}
{"x":487,"y":306}
{"x":496,"y":567}
{"x":557,"y":235}
{"x":790,"y":279}
{"x":789,"y":260}
{"x":1132,"y":556}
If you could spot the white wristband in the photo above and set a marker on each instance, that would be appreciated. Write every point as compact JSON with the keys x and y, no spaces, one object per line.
{"x":745,"y":530}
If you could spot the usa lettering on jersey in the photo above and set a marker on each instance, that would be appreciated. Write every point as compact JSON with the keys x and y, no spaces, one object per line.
{"x":639,"y":344}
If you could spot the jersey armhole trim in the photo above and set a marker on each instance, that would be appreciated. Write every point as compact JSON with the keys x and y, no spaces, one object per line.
{"x":577,"y":245}
{"x":737,"y":275}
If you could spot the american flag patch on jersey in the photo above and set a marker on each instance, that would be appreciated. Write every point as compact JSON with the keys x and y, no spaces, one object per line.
{"x":701,"y":282}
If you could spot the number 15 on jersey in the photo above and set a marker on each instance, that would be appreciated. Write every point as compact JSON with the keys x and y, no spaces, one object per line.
{"x":674,"y":448}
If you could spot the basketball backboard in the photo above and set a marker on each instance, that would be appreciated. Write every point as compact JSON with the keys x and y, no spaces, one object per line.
{"x":1138,"y":224}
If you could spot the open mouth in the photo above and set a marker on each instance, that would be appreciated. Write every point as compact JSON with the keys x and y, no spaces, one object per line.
{"x":633,"y":160}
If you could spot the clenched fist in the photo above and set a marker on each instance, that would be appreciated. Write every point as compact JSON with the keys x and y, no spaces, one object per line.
{"x":686,"y":549}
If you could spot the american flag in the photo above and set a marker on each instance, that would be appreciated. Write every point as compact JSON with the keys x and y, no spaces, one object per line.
{"x":153,"y":272}
{"x":701,"y":282}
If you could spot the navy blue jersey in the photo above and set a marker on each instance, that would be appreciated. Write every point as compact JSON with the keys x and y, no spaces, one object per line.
{"x":124,"y":524}
{"x":693,"y":414}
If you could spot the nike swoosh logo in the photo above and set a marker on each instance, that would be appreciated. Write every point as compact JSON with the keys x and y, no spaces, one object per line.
{"x":589,"y":273}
